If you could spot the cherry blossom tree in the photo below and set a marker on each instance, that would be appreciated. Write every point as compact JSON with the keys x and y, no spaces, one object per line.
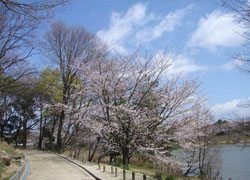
{"x":139,"y":107}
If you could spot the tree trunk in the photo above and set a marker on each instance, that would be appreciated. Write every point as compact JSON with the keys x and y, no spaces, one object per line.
{"x":2,"y":121}
{"x":62,"y":117}
{"x":40,"y":143}
{"x":100,"y":157}
{"x":70,"y":151}
{"x":91,"y":156}
{"x":79,"y":151}
{"x":52,"y":130}
{"x":24,"y":130}
{"x":1,"y":133}
{"x":125,"y":156}
{"x":17,"y":133}
{"x":59,"y":132}
{"x":188,"y":170}
{"x":111,"y":158}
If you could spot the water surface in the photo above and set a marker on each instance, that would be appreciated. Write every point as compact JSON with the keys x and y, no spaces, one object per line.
{"x":231,"y":160}
{"x":235,"y":162}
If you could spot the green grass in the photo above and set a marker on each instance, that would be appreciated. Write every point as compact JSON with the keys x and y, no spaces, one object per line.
{"x":7,"y":148}
{"x":230,"y":139}
{"x":151,"y":171}
{"x":116,"y":164}
{"x":17,"y":163}
{"x":143,"y":170}
{"x":138,"y":169}
{"x":9,"y":175}
{"x":2,"y":167}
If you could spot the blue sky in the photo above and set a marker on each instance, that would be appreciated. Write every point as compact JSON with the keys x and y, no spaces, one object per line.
{"x":202,"y":33}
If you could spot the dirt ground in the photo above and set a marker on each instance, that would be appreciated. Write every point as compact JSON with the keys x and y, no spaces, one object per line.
{"x":46,"y":166}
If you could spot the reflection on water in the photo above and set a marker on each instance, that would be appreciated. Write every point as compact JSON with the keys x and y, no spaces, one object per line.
{"x":235,"y":162}
{"x":232,"y":161}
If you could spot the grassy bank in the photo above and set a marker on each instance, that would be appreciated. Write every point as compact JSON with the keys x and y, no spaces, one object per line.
{"x":7,"y":171}
{"x":156,"y":173}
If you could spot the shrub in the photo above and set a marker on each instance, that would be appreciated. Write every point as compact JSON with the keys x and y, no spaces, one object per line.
{"x":170,"y":177}
{"x":6,"y":161}
{"x":117,"y":164}
{"x":158,"y":175}
{"x":125,"y":167}
{"x":50,"y":147}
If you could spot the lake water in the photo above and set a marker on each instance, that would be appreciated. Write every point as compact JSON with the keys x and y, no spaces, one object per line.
{"x":235,"y":162}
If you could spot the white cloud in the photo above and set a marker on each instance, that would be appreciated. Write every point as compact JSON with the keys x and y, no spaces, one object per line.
{"x":177,"y":64}
{"x":217,"y":29}
{"x":137,"y":26}
{"x":122,"y":26}
{"x":166,"y":24}
{"x":185,"y":65}
{"x":230,"y":65}
{"x":234,"y":107}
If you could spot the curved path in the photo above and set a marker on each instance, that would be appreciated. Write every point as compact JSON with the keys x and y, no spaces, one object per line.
{"x":47,"y":166}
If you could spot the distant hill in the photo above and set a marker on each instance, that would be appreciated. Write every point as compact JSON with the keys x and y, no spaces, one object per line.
{"x":226,"y":132}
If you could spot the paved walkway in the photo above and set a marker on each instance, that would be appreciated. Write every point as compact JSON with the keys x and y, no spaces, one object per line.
{"x":47,"y":166}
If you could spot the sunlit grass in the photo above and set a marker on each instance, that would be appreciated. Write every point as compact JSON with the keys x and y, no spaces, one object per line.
{"x":9,"y":175}
{"x":7,"y":148}
{"x":6,"y":172}
{"x":143,"y":170}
